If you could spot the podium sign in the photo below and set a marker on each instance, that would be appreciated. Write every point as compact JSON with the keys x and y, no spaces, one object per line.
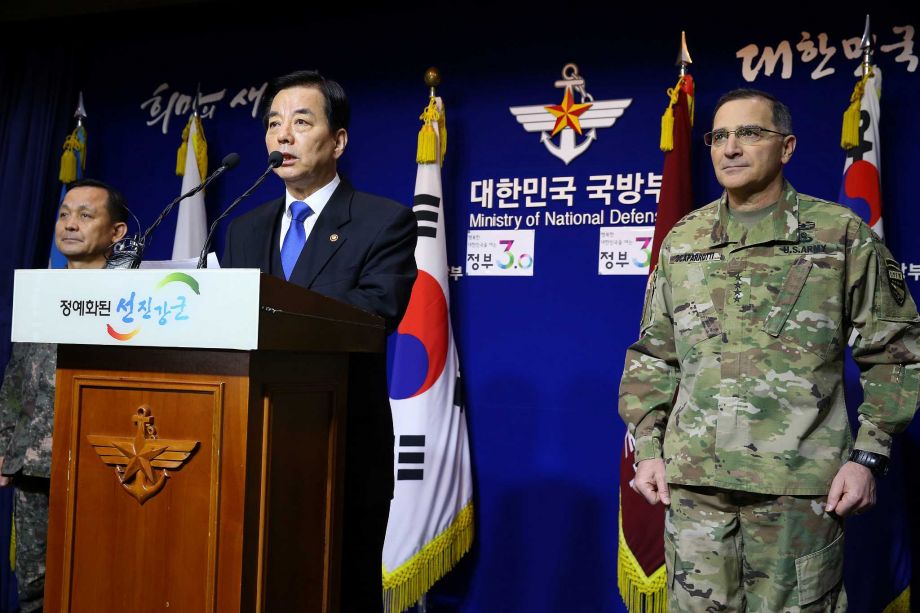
{"x":199,"y":430}
{"x":216,"y":309}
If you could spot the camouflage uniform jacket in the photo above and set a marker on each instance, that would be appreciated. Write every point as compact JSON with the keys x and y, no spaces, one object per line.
{"x":27,"y":409}
{"x":737,"y":377}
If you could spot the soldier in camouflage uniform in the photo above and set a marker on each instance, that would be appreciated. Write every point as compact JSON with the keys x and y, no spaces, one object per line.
{"x":735,"y":393}
{"x":91,"y":218}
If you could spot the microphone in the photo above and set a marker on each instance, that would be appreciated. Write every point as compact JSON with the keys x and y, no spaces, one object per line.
{"x":275,"y":159}
{"x":229,"y":161}
{"x":129,"y":251}
{"x":125,"y":252}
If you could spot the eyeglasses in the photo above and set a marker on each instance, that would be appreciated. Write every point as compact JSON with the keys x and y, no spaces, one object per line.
{"x":747,"y":135}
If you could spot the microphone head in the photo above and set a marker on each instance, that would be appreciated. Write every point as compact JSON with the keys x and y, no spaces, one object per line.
{"x":230,"y":160}
{"x":275,"y":159}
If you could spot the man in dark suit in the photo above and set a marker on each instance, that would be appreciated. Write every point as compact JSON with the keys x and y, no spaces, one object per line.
{"x":352,"y":246}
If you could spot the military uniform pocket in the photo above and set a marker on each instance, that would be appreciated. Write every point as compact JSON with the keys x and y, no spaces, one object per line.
{"x":695,"y":315}
{"x":801,"y":316}
{"x":820,"y":572}
{"x":671,"y":560}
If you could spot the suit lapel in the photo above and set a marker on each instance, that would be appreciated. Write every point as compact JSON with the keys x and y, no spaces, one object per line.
{"x":320,"y":245}
{"x":263,"y":231}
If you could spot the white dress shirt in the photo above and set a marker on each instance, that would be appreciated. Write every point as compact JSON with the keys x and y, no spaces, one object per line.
{"x":316,"y":201}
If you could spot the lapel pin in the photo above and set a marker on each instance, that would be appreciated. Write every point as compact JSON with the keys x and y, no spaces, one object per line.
{"x":333,"y":238}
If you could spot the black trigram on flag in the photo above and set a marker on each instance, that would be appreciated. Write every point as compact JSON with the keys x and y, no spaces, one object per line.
{"x":427,"y":209}
{"x":410,"y":456}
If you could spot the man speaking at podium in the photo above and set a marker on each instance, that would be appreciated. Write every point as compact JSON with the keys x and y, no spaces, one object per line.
{"x":352,"y":246}
{"x":91,"y":219}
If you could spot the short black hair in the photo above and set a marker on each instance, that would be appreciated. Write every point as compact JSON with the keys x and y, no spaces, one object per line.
{"x":338,"y":112}
{"x":782,"y":117}
{"x":115,"y":202}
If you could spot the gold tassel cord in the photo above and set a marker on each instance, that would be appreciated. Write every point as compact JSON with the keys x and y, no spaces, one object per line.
{"x":72,"y":146}
{"x":849,"y":136}
{"x":199,"y":145}
{"x":666,"y":143}
{"x":442,"y":129}
{"x":403,"y":587}
{"x":183,"y":150}
{"x":667,"y":130}
{"x":427,"y":152}
{"x":640,"y":593}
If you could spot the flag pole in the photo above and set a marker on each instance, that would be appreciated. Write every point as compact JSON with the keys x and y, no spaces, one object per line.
{"x":849,"y":134}
{"x":866,"y":46}
{"x":641,"y":566}
{"x":80,"y":113}
{"x":683,"y":56}
{"x":432,"y":80}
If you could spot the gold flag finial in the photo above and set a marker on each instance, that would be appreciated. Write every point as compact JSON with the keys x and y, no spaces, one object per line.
{"x":432,"y":146}
{"x":683,"y":56}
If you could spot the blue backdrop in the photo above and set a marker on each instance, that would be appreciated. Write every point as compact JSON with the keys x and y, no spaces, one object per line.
{"x":541,"y":354}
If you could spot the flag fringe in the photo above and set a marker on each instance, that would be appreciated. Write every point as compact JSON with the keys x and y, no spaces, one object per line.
{"x":72,"y":146}
{"x":199,"y":144}
{"x":901,"y":604}
{"x":403,"y":587}
{"x":641,"y":593}
{"x":849,"y":135}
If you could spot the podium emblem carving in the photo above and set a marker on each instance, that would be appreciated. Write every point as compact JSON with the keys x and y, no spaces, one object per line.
{"x":136,"y":460}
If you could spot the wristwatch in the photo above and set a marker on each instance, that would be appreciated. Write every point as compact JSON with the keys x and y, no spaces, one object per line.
{"x":875,"y":462}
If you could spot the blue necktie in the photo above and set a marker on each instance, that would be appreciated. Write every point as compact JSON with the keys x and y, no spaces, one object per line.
{"x":295,"y":238}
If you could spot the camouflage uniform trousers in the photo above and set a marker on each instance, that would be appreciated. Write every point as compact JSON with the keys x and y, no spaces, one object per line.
{"x":31,"y":519}
{"x":739,"y":551}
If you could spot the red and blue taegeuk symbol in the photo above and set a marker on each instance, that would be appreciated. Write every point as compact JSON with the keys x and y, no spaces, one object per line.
{"x":861,"y":191}
{"x":421,"y":340}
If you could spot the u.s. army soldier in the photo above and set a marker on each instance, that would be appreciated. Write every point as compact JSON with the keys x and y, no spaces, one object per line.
{"x":735,"y":393}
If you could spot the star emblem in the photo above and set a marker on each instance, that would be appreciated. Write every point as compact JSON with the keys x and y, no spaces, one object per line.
{"x":139,"y":457}
{"x":142,"y":456}
{"x":567,"y":113}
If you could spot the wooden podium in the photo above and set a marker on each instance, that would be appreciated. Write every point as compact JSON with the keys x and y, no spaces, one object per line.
{"x":203,"y":478}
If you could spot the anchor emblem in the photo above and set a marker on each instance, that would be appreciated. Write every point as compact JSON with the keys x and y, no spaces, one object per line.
{"x":569,"y":119}
{"x":136,"y":460}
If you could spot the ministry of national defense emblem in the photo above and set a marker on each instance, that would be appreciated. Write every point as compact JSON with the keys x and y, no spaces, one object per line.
{"x":136,"y":460}
{"x":570,"y":119}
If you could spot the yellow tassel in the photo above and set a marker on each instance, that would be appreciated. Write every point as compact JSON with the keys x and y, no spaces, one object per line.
{"x":183,"y":149}
{"x":901,"y":604}
{"x":640,"y":593}
{"x":68,"y":172}
{"x":72,"y":146}
{"x":849,"y":136}
{"x":667,"y":130}
{"x":427,"y":145}
{"x":427,"y":152}
{"x":666,"y":143}
{"x":403,"y":587}
{"x":200,"y":145}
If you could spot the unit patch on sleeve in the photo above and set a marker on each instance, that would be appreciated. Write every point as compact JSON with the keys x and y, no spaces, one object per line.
{"x":896,"y":281}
